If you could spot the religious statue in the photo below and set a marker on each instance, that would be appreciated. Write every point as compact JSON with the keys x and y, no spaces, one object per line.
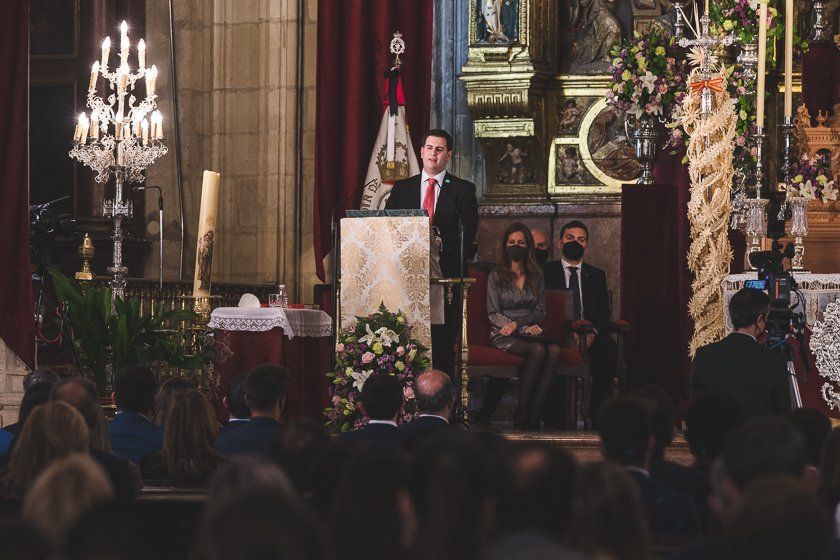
{"x":596,"y":30}
{"x":610,"y":148}
{"x":498,"y":21}
{"x":568,"y":170}
{"x":514,"y":167}
{"x":205,"y":260}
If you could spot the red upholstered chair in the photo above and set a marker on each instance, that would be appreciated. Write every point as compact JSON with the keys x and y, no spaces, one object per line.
{"x":487,"y":360}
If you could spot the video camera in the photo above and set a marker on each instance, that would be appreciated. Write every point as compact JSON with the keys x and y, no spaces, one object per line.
{"x":44,"y":228}
{"x":779,"y":283}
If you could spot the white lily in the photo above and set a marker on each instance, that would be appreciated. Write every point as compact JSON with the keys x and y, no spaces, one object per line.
{"x":386,"y":336}
{"x":370,"y":338}
{"x":360,"y":378}
{"x":829,"y":192}
{"x":648,"y":81}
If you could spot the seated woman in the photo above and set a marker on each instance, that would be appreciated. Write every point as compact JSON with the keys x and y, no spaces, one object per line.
{"x":515,"y":304}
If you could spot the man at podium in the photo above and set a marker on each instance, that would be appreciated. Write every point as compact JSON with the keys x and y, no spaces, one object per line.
{"x":449,"y":201}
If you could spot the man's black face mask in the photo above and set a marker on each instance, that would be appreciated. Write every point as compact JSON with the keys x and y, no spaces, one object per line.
{"x":541,"y":255}
{"x":573,"y":250}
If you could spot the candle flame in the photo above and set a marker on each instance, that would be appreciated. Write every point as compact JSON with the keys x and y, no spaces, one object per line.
{"x":106,"y":44}
{"x":124,"y":27}
{"x":157,"y":118}
{"x":141,"y":45}
{"x":152,"y":73}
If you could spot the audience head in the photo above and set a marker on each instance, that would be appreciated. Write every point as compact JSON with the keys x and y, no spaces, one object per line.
{"x":111,"y":532}
{"x":40,"y":375}
{"x":79,"y":393}
{"x":372,"y":515}
{"x":381,"y":397}
{"x":260,"y":524}
{"x":134,"y":389}
{"x":609,"y":521}
{"x":830,"y":463}
{"x":189,"y":436}
{"x":518,"y":247}
{"x":295,"y":447}
{"x":435,"y":393}
{"x":265,"y":390}
{"x":764,"y":446}
{"x":814,"y":427}
{"x":542,"y":246}
{"x":66,"y":489}
{"x":234,"y":401}
{"x":748,"y":309}
{"x":246,"y":474}
{"x":37,"y":394}
{"x":53,"y":430}
{"x":573,"y":241}
{"x":777,"y":518}
{"x":624,"y":427}
{"x":662,"y":414}
{"x":542,"y":489}
{"x":166,"y":396}
{"x":708,"y":422}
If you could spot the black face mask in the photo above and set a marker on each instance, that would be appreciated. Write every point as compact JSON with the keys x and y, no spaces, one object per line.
{"x":541,"y":255}
{"x":573,"y":250}
{"x":516,"y":253}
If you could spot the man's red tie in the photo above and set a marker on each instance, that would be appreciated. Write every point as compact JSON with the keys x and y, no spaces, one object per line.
{"x":429,"y":200}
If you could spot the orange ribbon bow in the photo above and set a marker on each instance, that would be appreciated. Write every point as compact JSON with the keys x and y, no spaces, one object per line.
{"x":715,"y":84}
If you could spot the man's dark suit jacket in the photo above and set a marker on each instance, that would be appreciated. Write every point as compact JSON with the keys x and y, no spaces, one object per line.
{"x":252,"y":438}
{"x":753,"y":375}
{"x":593,"y":283}
{"x":667,"y":511}
{"x":421,"y":426}
{"x":118,"y":471}
{"x":688,"y":481}
{"x":133,"y":436}
{"x":457,"y":196}
{"x":372,"y":433}
{"x":232,"y":425}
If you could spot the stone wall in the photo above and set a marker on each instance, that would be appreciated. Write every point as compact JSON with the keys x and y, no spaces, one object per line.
{"x":12,"y":372}
{"x":241,"y":94}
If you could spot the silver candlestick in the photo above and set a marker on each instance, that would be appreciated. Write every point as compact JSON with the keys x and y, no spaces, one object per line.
{"x":756,"y":225}
{"x":798,"y":229}
{"x":759,"y":165}
{"x":122,"y":137}
{"x":787,"y":148}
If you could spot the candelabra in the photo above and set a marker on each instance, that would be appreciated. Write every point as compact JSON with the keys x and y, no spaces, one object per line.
{"x":748,"y":59}
{"x":757,"y":207}
{"x":123,"y":136}
{"x":787,"y":148}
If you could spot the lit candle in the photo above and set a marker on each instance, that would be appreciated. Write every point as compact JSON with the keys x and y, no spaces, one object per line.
{"x":135,"y":128}
{"x":120,"y":154}
{"x":145,"y":128}
{"x":762,"y":62}
{"x":157,"y":125}
{"x":124,"y":44}
{"x":118,"y":124}
{"x":141,"y":53}
{"x":788,"y":58}
{"x":151,"y":80}
{"x":94,"y":125}
{"x":94,"y":73}
{"x":76,"y":133}
{"x":106,"y":48}
{"x":123,"y":77}
{"x":84,"y":125}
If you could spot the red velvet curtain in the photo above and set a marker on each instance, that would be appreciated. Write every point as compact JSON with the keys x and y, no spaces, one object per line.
{"x":16,"y":325}
{"x":353,"y":54}
{"x":820,"y":82}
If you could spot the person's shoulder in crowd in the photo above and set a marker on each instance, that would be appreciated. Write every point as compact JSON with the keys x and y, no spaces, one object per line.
{"x":5,"y":440}
{"x":668,"y":511}
{"x":119,"y":472}
{"x":252,"y":438}
{"x":370,"y":433}
{"x":134,"y":436}
{"x":421,"y":426}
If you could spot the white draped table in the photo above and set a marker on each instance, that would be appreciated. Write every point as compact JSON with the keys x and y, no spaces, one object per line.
{"x":818,"y":290}
{"x":298,"y":339}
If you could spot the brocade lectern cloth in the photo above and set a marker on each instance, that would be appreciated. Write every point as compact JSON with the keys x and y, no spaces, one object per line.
{"x":386,"y":260}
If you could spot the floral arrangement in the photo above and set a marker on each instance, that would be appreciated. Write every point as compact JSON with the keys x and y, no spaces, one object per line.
{"x":648,"y":75}
{"x":738,"y":17}
{"x":378,"y":343}
{"x":810,"y":178}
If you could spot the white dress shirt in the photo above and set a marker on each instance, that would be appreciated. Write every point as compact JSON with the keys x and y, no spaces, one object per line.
{"x":388,"y":422}
{"x":424,"y":183}
{"x":435,"y":416}
{"x":568,"y":273}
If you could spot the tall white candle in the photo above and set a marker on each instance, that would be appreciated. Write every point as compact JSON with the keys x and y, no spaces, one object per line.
{"x":94,"y":73}
{"x":151,"y":80}
{"x":94,"y":125}
{"x":206,"y":233}
{"x":141,"y":53}
{"x":124,"y":44}
{"x":157,"y":126}
{"x":788,"y":58}
{"x":144,"y":127}
{"x":762,"y":62}
{"x":106,"y":49}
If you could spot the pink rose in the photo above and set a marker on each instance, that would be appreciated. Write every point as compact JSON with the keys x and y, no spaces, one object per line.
{"x":339,"y":347}
{"x":408,"y":392}
{"x":335,"y":400}
{"x":400,"y":350}
{"x":368,"y":357}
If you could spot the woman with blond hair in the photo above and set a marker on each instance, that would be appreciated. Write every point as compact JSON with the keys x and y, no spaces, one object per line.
{"x":52,"y":431}
{"x":189,"y":454}
{"x":68,"y":488}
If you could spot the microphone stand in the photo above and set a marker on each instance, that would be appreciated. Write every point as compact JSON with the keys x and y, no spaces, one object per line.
{"x":335,"y":288}
{"x":160,"y":229}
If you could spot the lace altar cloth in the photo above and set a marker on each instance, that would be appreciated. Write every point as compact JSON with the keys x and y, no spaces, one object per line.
{"x":294,"y":322}
{"x":817,"y":290}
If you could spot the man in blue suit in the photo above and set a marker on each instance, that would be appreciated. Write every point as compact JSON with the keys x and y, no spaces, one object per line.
{"x":435,"y":397}
{"x":265,"y":394}
{"x":133,"y":435}
{"x":380,"y":401}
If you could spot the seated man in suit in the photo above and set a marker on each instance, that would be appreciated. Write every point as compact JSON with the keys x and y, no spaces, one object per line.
{"x":234,"y":402}
{"x":133,"y":434}
{"x":591,"y":301}
{"x":380,"y":401}
{"x":624,"y":428}
{"x":738,"y":365}
{"x":435,"y":396}
{"x":265,"y":395}
{"x":542,"y":247}
{"x":80,"y":393}
{"x":447,"y":199}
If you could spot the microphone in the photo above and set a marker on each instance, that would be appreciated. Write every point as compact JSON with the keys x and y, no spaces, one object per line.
{"x":141,"y":188}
